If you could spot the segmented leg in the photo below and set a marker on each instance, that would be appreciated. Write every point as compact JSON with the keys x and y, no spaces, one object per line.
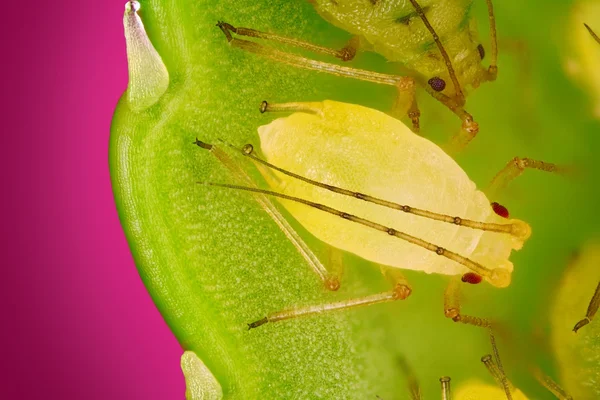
{"x":493,"y":68}
{"x":504,"y":383}
{"x":402,"y":83}
{"x":452,"y":307}
{"x":591,"y":310}
{"x":498,"y":376}
{"x":446,"y":393}
{"x":550,"y":385}
{"x":346,"y":53}
{"x":469,"y":127}
{"x":515,"y":168}
{"x":400,"y":292}
{"x":330,"y":281}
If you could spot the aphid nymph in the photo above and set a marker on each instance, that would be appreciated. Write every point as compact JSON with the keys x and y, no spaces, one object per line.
{"x":363,"y":182}
{"x":435,"y":42}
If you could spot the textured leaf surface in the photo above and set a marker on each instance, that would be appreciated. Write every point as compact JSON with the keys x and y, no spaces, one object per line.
{"x":214,"y":261}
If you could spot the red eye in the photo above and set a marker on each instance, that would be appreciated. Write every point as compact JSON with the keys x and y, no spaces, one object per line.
{"x":500,"y":210}
{"x":471,"y":277}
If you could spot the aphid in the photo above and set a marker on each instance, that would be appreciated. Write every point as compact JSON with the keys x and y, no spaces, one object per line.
{"x":323,"y":160}
{"x":435,"y":43}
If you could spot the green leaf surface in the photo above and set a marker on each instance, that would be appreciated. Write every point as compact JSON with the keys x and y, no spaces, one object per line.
{"x":214,"y":261}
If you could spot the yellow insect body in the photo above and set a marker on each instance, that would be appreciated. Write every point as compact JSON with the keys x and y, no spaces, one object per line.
{"x":394,"y":29}
{"x":365,"y":150}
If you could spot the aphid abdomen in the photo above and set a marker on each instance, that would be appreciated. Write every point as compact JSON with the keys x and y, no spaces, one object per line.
{"x":364,"y":150}
{"x":394,"y":29}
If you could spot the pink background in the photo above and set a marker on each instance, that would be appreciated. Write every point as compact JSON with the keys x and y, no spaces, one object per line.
{"x":80,"y":323}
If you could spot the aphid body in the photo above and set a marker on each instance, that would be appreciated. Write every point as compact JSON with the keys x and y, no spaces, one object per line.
{"x":394,"y":29}
{"x":346,"y":146}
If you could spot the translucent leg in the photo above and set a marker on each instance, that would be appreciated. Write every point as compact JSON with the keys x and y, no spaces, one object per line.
{"x":452,"y":307}
{"x":493,"y":68}
{"x":591,"y":311}
{"x":551,"y":385}
{"x":515,"y":168}
{"x":330,"y":281}
{"x":402,"y":83}
{"x":400,"y":292}
{"x":446,"y":393}
{"x":346,"y":53}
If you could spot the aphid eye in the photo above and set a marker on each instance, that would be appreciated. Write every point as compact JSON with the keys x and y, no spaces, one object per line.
{"x":500,"y":210}
{"x":481,"y":51}
{"x":437,"y":84}
{"x":472,"y":278}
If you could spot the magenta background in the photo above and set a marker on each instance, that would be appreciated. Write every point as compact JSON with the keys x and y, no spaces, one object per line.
{"x":80,"y":323}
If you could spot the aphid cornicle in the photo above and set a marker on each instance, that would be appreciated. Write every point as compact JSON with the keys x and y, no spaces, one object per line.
{"x":363,"y":182}
{"x":434,"y":41}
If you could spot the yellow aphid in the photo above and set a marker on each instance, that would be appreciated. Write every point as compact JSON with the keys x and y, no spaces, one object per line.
{"x":364,"y":150}
{"x":583,"y":57}
{"x":475,"y":390}
{"x":363,"y":182}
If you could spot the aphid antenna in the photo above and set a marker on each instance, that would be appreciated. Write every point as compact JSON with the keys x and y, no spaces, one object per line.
{"x":516,"y":228}
{"x":596,"y":38}
{"x":498,"y":276}
{"x":460,"y":97}
{"x":331,"y":282}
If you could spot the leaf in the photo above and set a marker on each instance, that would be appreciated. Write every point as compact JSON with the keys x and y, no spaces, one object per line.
{"x":214,"y":261}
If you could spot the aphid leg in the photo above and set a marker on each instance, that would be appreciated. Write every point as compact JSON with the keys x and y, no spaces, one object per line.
{"x":469,"y":128}
{"x":399,"y":292}
{"x":446,"y":392}
{"x":306,"y":107}
{"x":406,"y":104}
{"x":504,"y":383}
{"x":498,"y":376}
{"x":314,"y":65}
{"x":591,"y":310}
{"x":550,"y":384}
{"x":335,"y":257}
{"x":397,"y":278}
{"x":411,"y":379}
{"x":493,"y":68}
{"x":460,"y":97}
{"x":515,"y":168}
{"x":452,"y":307}
{"x":596,"y":38}
{"x":346,"y":53}
{"x":330,"y":281}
